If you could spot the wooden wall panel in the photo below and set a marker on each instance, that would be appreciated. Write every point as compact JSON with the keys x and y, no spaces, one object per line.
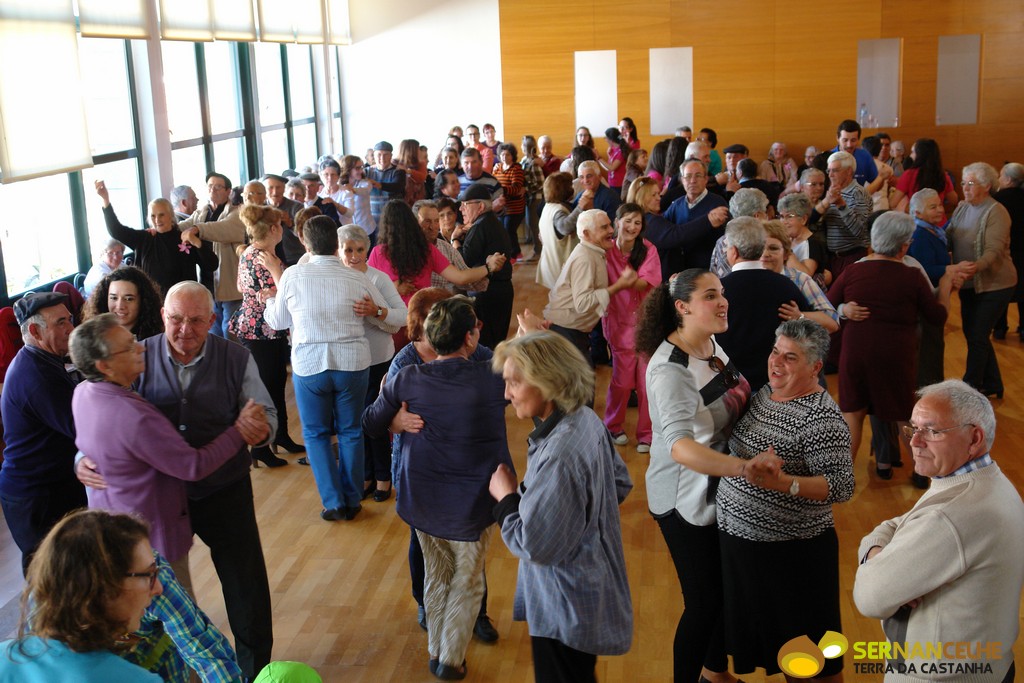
{"x":772,"y":70}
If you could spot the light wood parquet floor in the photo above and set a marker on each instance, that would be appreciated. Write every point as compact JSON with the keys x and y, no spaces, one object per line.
{"x":341,"y":590}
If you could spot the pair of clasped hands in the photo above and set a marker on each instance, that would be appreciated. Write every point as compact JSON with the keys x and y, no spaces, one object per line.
{"x":763,"y":468}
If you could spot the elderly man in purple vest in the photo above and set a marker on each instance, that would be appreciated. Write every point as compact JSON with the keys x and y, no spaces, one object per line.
{"x":200,"y":382}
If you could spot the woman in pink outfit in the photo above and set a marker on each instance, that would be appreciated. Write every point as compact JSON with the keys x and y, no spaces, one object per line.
{"x":628,"y":369}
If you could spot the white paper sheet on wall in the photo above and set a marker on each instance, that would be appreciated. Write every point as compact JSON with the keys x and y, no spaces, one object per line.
{"x":956,"y":88}
{"x":671,"y":89}
{"x":597,"y":86}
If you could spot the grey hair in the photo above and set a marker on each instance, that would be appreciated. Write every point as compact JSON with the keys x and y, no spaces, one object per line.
{"x":747,"y":235}
{"x":88,"y":344}
{"x":587,"y":221}
{"x":891,"y":230}
{"x":808,"y":172}
{"x":917,"y":201}
{"x":422,"y":204}
{"x":186,"y":287}
{"x":811,"y":150}
{"x":694,"y":149}
{"x":179,"y":194}
{"x":982,"y":172}
{"x":808,"y":335}
{"x":797,"y":203}
{"x":589,"y":165}
{"x":294,"y":182}
{"x":694,"y":160}
{"x":353,"y":233}
{"x":844,"y":159}
{"x":111,"y":244}
{"x":26,"y":336}
{"x":748,"y":201}
{"x":1015,"y":172}
{"x":967,"y":405}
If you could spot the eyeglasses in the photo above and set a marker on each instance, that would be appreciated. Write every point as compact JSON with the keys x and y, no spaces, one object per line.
{"x":969,"y":183}
{"x":815,"y":184}
{"x":929,"y":434}
{"x":151,"y":575}
{"x":730,"y":377}
{"x":791,"y":215}
{"x":191,"y":322}
{"x":694,"y":176}
{"x":133,"y":347}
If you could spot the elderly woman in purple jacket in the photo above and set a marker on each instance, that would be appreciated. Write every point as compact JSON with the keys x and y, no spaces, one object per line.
{"x":145,"y":460}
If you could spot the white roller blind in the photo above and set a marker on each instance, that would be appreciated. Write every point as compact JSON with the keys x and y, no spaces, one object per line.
{"x":114,"y":18}
{"x":277,"y":20}
{"x":40,"y":135}
{"x":339,"y":28}
{"x":295,"y":21}
{"x":234,"y":20}
{"x":186,"y":20}
{"x":309,"y":21}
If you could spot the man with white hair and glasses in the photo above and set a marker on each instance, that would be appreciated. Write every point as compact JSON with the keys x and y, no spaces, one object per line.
{"x":951,"y":569}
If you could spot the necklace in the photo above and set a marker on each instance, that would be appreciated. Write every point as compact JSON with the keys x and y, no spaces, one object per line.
{"x":694,"y":351}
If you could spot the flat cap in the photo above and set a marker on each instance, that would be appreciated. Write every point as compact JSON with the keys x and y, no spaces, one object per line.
{"x":383,"y":146}
{"x":33,"y":302}
{"x":309,"y":176}
{"x":736,"y":149}
{"x":475,"y":192}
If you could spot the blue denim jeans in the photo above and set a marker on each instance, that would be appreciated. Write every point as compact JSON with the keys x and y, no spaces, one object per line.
{"x":331,"y":402}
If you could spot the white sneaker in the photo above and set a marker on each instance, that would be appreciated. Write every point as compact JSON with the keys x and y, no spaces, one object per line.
{"x":620,"y":439}
{"x":643,"y":448}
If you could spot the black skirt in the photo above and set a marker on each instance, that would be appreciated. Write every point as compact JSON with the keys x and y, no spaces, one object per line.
{"x":777,"y":591}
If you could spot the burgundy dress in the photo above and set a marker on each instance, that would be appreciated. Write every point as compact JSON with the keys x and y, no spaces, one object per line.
{"x":878,"y":359}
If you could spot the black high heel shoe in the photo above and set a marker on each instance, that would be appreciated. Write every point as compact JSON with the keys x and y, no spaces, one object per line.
{"x":263,"y":455}
{"x":286,"y":443}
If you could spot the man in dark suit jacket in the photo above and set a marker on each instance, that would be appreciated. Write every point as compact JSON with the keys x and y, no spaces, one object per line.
{"x":754,"y":295}
{"x":747,"y":169}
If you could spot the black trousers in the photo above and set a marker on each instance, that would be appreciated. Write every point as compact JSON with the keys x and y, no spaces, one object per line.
{"x":31,"y":518}
{"x":700,"y":635}
{"x":271,"y":358}
{"x":556,"y":662}
{"x":494,"y":310}
{"x":226,"y":521}
{"x":377,"y":449}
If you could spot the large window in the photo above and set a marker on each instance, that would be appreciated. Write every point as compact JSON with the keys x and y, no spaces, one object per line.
{"x":49,"y":222}
{"x":286,"y":116}
{"x":241,"y":109}
{"x":204,"y":111}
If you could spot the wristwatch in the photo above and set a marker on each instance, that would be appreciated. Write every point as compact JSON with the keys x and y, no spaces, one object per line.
{"x":794,"y":488}
{"x":380,"y":312}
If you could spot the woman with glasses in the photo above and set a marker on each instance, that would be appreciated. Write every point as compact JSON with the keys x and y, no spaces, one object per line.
{"x":145,"y":460}
{"x":89,"y":585}
{"x":813,"y":183}
{"x":979,"y":232}
{"x":810,"y":253}
{"x":778,"y":516}
{"x":878,"y":359}
{"x":695,"y":395}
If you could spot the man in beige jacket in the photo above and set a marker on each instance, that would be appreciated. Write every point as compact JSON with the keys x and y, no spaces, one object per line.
{"x":218,"y":222}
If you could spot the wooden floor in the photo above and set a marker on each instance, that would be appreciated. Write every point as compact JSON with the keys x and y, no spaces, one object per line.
{"x":341,"y":590}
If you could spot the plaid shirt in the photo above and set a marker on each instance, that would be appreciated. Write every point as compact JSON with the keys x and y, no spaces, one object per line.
{"x":176,"y":635}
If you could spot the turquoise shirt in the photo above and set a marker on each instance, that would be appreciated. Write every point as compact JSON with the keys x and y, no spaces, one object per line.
{"x":51,"y":661}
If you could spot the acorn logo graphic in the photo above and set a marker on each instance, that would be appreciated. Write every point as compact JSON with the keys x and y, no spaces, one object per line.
{"x":801,"y":658}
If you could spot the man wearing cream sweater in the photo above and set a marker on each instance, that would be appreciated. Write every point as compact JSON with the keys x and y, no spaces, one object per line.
{"x":947,"y":575}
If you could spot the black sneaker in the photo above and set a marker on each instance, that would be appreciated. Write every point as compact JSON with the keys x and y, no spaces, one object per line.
{"x":484,"y":630}
{"x":332,"y":515}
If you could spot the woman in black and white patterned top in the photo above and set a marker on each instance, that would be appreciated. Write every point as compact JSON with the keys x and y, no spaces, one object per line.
{"x":776,"y":520}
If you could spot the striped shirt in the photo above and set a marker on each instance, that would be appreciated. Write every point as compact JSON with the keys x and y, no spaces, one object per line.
{"x":847,"y":227}
{"x":315,"y":301}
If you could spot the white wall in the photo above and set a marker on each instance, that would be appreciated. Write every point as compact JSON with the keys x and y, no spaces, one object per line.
{"x":415,"y":69}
